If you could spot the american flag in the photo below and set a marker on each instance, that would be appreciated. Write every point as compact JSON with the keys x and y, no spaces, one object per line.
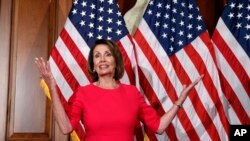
{"x":232,"y":46}
{"x":173,"y":48}
{"x":87,"y":21}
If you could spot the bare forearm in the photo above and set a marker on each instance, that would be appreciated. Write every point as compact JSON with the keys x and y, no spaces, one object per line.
{"x":57,"y":107}
{"x":59,"y":113}
{"x":167,"y":118}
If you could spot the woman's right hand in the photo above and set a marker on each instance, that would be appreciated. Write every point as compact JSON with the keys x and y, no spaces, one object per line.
{"x":58,"y":109}
{"x":45,"y":72}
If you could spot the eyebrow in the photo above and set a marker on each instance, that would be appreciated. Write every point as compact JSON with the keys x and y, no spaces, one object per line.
{"x":104,"y":51}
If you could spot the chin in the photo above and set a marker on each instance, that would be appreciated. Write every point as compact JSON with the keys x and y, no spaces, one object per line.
{"x":105,"y":73}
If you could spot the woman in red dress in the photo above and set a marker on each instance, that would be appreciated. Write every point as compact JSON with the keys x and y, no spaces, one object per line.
{"x":108,"y":109}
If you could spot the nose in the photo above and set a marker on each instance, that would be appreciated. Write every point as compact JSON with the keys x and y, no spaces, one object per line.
{"x":102,"y":58}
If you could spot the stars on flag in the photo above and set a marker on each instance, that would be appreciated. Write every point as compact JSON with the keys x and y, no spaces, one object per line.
{"x":103,"y":21}
{"x":172,"y":20}
{"x":238,"y":15}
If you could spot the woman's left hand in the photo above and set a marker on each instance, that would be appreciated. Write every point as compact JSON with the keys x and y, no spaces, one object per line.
{"x":185,"y":91}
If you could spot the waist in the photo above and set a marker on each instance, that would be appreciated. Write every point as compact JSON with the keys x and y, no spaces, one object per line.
{"x":109,"y":137}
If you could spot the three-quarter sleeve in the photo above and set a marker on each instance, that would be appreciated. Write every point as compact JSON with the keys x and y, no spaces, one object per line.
{"x":147,"y":114}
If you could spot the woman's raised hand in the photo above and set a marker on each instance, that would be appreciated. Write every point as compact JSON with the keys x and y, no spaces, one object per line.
{"x":59,"y":112}
{"x":185,"y":91}
{"x":45,"y":72}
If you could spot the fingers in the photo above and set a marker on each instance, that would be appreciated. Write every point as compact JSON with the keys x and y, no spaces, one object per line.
{"x":48,"y":66}
{"x":39,"y":61}
{"x":198,"y":79}
{"x":186,"y":90}
{"x":190,"y":86}
{"x":42,"y":66}
{"x":43,"y":62}
{"x":38,"y":64}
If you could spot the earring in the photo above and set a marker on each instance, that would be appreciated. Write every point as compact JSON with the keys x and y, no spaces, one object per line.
{"x":93,"y":70}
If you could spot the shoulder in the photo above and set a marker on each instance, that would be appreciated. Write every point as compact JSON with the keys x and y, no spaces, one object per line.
{"x":129,"y":87}
{"x":85,"y":87}
{"x":80,"y":92}
{"x":132,"y":92}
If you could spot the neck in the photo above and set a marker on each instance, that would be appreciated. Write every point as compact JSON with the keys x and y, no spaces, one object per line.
{"x":107,"y":83}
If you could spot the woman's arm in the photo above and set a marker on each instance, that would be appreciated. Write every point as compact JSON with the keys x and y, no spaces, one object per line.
{"x":169,"y":115}
{"x":58,"y":110}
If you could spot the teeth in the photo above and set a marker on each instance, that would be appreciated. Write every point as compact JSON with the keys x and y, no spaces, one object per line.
{"x":103,"y":66}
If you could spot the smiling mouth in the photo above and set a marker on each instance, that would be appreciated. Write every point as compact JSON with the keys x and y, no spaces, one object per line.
{"x":103,"y":66}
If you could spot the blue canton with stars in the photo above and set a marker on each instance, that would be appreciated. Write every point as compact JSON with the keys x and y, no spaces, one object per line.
{"x":98,"y":19}
{"x":237,"y":18}
{"x":175,"y":23}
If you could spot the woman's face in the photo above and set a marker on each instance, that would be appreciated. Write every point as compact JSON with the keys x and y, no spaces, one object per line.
{"x":104,"y":62}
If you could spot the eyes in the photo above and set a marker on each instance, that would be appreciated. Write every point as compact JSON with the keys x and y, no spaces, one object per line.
{"x":106,"y":54}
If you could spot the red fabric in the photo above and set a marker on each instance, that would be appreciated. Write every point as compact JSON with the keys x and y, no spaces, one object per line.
{"x":111,"y":114}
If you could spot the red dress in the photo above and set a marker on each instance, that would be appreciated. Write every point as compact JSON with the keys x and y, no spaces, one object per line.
{"x":111,"y":114}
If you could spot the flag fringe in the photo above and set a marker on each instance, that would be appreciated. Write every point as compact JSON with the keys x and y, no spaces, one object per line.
{"x":74,"y":136}
{"x":45,"y":88}
{"x":146,"y":137}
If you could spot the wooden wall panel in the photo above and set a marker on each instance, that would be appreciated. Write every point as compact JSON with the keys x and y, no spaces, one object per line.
{"x":5,"y":22}
{"x":29,"y":113}
{"x":62,"y":9}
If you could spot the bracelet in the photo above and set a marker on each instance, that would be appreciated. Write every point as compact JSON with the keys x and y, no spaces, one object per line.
{"x":178,"y":105}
